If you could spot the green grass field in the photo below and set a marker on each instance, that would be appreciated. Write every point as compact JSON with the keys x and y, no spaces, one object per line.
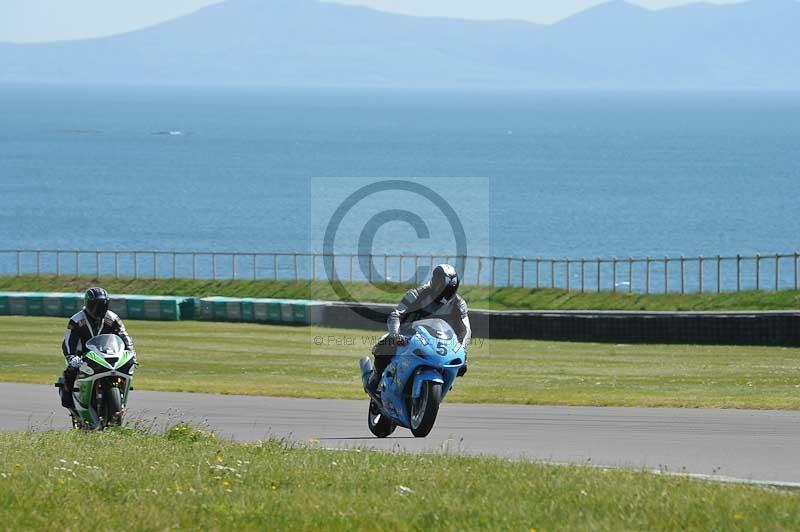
{"x":236,"y":358}
{"x":477,"y":297}
{"x":186,"y":479}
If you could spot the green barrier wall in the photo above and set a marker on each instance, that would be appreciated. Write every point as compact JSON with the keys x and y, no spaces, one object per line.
{"x":4,"y":310}
{"x":255,"y":310}
{"x":57,"y":304}
{"x":190,"y":308}
{"x":159,"y":308}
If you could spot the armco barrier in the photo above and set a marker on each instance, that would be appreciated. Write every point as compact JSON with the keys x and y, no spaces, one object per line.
{"x":721,"y":328}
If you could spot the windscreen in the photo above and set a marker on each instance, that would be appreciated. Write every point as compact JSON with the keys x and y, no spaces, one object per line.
{"x":107,"y":344}
{"x":436,"y":328}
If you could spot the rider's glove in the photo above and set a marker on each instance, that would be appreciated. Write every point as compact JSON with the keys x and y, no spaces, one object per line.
{"x":75,"y":362}
{"x":462,"y":370}
{"x":397,"y":339}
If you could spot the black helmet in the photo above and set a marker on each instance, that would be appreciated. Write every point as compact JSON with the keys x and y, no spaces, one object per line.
{"x":444,"y":282}
{"x":95,"y":303}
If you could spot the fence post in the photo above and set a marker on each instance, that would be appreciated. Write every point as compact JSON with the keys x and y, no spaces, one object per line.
{"x":777,"y":271}
{"x":19,"y":263}
{"x":494,"y":269}
{"x":666,"y":275}
{"x":700,"y":267}
{"x":154,"y":265}
{"x":38,"y":253}
{"x":538,"y":264}
{"x":194,"y":265}
{"x":583,"y":275}
{"x":647,"y":275}
{"x":599,"y":262}
{"x":58,"y":263}
{"x":313,"y":266}
{"x":683,"y":276}
{"x":719,"y":274}
{"x":567,"y":275}
{"x":214,"y":265}
{"x":135,"y":265}
{"x":552,"y":273}
{"x":174,"y":265}
{"x":370,"y":267}
{"x":614,"y":274}
{"x":523,"y":271}
{"x":296,"y":278}
{"x":630,"y":274}
{"x":116,"y":264}
{"x":738,"y":272}
{"x":351,"y":267}
{"x":416,"y":270}
{"x":275,"y":266}
{"x":758,"y":271}
{"x":480,"y":268}
{"x":795,"y":271}
{"x":508,"y":271}
{"x":385,"y":268}
{"x":77,"y":264}
{"x":400,"y":277}
{"x":255,"y":266}
{"x":96,"y":263}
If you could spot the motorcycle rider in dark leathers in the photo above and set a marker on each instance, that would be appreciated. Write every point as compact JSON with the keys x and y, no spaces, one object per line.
{"x":436,"y":299}
{"x":94,"y":319}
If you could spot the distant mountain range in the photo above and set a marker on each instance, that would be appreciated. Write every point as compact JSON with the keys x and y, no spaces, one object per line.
{"x":752,"y":45}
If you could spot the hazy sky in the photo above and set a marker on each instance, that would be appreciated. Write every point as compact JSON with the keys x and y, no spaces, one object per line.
{"x":43,"y":20}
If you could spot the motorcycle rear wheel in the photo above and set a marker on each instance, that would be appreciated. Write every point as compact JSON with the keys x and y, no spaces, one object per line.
{"x":379,"y":424}
{"x":424,"y":409}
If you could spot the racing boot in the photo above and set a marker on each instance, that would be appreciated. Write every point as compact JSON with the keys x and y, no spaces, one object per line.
{"x":67,"y":383}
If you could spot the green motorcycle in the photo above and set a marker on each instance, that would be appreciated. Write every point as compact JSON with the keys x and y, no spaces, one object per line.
{"x":102,"y":385}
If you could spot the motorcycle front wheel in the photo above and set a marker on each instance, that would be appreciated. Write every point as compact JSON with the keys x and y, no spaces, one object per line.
{"x":379,"y":424}
{"x":424,"y":408}
{"x":113,"y":400}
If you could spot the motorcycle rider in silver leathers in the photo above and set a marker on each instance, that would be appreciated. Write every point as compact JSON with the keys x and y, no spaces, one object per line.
{"x":436,"y":299}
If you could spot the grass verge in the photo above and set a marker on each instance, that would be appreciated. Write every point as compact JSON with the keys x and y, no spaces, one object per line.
{"x":186,"y":479}
{"x":235,"y":358}
{"x":477,"y":297}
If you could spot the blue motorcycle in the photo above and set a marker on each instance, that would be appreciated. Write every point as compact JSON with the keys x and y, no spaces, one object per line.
{"x":416,"y":381}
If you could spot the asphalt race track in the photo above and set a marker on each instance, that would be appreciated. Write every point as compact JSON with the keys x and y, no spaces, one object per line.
{"x":742,"y":444}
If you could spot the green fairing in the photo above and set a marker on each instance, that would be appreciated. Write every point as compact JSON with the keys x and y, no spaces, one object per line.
{"x":91,"y":355}
{"x":126,"y":356}
{"x":86,"y":393}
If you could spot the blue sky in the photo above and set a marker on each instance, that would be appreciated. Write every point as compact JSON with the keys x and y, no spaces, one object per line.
{"x":45,"y":20}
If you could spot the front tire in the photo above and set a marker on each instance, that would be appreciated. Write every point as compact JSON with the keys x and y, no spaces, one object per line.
{"x":379,"y":424}
{"x":424,"y":409}
{"x":114,"y":407}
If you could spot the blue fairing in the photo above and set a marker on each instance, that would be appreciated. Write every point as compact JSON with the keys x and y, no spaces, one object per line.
{"x":433,"y":354}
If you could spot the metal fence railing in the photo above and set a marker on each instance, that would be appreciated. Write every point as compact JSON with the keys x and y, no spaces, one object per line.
{"x":777,"y":271}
